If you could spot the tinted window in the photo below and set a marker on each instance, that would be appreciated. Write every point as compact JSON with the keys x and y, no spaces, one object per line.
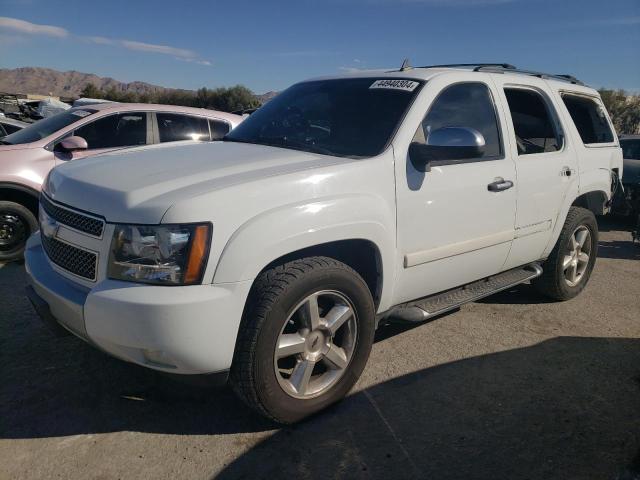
{"x":2,"y":131}
{"x":47,"y":126}
{"x":534,"y":128}
{"x":589,"y":118}
{"x":121,"y":130}
{"x":631,"y":148}
{"x":174,"y":127}
{"x":10,"y":128}
{"x":466,"y":105}
{"x":353,"y":117}
{"x":218,"y":129}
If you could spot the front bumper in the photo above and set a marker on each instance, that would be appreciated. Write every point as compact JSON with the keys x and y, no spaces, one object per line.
{"x":187,"y":330}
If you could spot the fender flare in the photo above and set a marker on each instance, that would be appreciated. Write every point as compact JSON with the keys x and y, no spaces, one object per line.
{"x":286,"y":229}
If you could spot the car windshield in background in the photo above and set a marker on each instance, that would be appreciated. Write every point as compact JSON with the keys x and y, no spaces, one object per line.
{"x":346,"y":117}
{"x":45,"y":127}
{"x":631,"y":148}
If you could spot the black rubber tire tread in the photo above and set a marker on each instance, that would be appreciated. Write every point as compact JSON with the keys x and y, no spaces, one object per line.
{"x":32,"y":222}
{"x":551,"y":283}
{"x":270,"y":286}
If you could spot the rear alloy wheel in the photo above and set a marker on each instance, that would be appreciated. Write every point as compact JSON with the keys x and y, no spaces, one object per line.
{"x":576,"y":259}
{"x":16,"y":224}
{"x":304,"y":339}
{"x":568,"y":268}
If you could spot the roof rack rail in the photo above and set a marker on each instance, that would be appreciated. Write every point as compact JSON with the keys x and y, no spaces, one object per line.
{"x":533,"y":73}
{"x":476,"y":65}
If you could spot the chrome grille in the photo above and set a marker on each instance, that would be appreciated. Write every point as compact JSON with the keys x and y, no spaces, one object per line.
{"x":83,"y":223}
{"x":75,"y":260}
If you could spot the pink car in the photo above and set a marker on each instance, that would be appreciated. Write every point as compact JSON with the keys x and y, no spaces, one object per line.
{"x":27,"y":156}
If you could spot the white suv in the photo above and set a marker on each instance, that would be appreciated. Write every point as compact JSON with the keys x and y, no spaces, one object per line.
{"x":271,"y":257}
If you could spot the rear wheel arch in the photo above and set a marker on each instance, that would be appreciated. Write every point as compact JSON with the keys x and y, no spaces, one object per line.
{"x":595,"y":200}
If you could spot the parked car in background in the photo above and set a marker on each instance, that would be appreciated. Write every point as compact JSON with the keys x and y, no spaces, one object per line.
{"x":9,"y":126}
{"x":272,"y":257}
{"x":27,"y":156}
{"x":627,"y":201}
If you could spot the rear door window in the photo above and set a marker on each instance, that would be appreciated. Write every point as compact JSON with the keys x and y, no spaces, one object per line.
{"x":534,"y":126}
{"x":120,"y":130}
{"x":590,"y":119}
{"x":174,"y":127}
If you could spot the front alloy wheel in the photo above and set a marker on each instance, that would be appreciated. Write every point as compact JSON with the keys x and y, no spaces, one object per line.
{"x":316,"y":344}
{"x":304,"y":339}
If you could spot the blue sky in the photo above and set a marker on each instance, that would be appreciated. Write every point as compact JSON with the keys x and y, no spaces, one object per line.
{"x":269,"y":45}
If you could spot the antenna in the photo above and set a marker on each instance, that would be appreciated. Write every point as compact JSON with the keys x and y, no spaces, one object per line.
{"x":405,"y":65}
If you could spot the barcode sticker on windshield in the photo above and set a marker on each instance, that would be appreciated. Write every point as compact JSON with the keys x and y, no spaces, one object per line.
{"x":406,"y":85}
{"x":81,"y":113}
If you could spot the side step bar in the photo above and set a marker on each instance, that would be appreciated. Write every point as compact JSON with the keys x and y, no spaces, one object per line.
{"x":434,"y":305}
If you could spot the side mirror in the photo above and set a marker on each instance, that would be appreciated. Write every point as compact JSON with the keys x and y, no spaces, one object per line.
{"x":447,"y":143}
{"x":73,"y":143}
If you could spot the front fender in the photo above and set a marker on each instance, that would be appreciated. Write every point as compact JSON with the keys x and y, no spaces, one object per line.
{"x":283,"y":230}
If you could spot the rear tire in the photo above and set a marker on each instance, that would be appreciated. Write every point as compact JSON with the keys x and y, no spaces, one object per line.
{"x":293,"y":359}
{"x":568,"y":268}
{"x":16,"y":224}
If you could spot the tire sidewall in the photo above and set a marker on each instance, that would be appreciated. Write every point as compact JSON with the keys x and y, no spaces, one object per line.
{"x":282,"y":406}
{"x":588,"y":220}
{"x":30,"y":221}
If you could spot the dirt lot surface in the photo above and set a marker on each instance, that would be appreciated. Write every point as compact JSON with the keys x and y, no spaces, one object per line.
{"x":511,"y":387}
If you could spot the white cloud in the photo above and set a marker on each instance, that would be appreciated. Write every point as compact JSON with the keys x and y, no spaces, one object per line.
{"x":163,"y":49}
{"x":21,"y":26}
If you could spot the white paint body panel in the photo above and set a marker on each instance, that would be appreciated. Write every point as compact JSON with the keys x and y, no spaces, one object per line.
{"x":433,"y":231}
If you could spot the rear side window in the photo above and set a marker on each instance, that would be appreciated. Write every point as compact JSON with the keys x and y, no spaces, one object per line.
{"x":589,"y":118}
{"x":121,"y":130}
{"x":174,"y":127}
{"x":218,"y":129}
{"x":534,"y":127}
{"x":466,"y":105}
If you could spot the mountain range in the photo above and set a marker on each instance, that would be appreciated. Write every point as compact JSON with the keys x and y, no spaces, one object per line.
{"x":46,"y":81}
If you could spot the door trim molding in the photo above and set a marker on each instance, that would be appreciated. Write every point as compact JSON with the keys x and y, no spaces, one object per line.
{"x":438,"y":253}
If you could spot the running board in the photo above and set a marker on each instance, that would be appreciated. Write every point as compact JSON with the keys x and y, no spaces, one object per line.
{"x":432,"y":306}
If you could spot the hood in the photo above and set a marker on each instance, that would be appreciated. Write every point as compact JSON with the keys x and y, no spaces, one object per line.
{"x":631,"y":172}
{"x":141,"y":184}
{"x":17,"y":146}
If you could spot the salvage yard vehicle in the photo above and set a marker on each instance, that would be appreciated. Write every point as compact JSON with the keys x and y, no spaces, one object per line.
{"x":270,"y":258}
{"x":630,"y":201}
{"x":27,"y":156}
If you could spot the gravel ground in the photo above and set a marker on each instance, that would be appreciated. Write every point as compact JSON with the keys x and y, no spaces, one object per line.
{"x":510,"y":387}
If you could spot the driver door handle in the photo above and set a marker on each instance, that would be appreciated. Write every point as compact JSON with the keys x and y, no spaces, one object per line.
{"x":500,"y":185}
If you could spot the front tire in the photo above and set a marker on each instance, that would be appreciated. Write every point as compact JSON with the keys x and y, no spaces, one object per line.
{"x":16,"y":224}
{"x":305,"y":338}
{"x":568,"y":268}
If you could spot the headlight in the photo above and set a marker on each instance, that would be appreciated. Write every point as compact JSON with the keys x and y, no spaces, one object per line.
{"x":160,"y":254}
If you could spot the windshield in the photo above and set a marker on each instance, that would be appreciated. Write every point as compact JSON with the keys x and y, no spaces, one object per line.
{"x":353,"y":117}
{"x":47,"y":126}
{"x":631,"y":148}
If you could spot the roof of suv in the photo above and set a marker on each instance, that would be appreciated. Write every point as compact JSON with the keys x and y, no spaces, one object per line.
{"x":567,"y":82}
{"x":151,"y":107}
